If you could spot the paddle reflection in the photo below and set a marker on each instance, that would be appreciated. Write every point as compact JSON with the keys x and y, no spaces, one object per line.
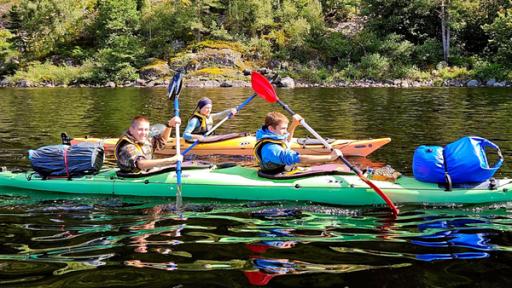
{"x":264,"y":269}
{"x":145,"y":230}
{"x":262,"y":246}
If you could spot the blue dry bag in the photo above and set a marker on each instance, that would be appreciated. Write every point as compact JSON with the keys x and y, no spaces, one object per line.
{"x":65,"y":160}
{"x":428,"y":164}
{"x":463,"y":161}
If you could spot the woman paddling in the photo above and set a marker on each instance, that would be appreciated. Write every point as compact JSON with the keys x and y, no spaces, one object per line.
{"x":202,"y":120}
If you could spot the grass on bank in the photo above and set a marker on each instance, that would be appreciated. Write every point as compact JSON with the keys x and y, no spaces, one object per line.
{"x":47,"y":73}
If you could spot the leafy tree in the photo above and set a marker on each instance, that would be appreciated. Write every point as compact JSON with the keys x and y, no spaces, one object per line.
{"x":167,"y":27}
{"x":500,"y":37}
{"x":117,"y":25}
{"x":298,"y":22}
{"x":116,"y":18}
{"x":42,"y":25}
{"x":416,"y":20}
{"x":339,"y":10}
{"x":475,"y":15}
{"x":249,"y":17}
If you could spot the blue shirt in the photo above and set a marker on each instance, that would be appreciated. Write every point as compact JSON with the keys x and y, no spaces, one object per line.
{"x":275,"y":153}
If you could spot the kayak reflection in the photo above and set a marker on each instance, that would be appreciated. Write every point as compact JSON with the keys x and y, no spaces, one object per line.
{"x":454,"y":234}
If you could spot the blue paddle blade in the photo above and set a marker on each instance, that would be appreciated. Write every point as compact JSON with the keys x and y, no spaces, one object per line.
{"x":174,"y":88}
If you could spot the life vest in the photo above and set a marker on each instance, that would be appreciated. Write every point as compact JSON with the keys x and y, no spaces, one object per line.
{"x":126,"y":140}
{"x":129,"y":141}
{"x":269,"y":167}
{"x":203,"y":120}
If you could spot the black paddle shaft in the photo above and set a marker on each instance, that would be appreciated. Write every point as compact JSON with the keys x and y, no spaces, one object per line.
{"x":286,"y":107}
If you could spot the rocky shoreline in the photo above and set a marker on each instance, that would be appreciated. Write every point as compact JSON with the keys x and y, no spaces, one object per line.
{"x":206,"y":83}
{"x":286,"y":82}
{"x":290,"y":83}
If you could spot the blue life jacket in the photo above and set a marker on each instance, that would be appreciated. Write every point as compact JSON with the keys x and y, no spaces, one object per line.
{"x":463,"y":161}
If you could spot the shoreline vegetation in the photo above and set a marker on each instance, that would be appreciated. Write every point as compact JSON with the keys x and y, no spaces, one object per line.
{"x":289,"y":83}
{"x":308,"y":43}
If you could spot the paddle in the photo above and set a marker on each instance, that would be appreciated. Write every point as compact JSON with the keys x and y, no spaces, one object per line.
{"x":238,"y":108}
{"x":265,"y":90}
{"x":174,"y":90}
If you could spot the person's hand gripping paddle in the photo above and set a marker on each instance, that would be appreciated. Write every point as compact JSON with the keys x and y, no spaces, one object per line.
{"x":173,"y":93}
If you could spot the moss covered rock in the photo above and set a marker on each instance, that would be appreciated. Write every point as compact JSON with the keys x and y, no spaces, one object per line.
{"x":213,"y":60}
{"x":156,"y":69}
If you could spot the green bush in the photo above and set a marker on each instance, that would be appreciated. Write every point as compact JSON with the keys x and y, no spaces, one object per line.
{"x":7,"y":53}
{"x":485,"y":70}
{"x":310,"y":75}
{"x":351,"y":72}
{"x":259,"y":49}
{"x":375,"y":66}
{"x":428,"y":54}
{"x":334,"y":48}
{"x":414,"y":73}
{"x":219,"y":32}
{"x":396,"y":49}
{"x":364,"y":43}
{"x":454,"y":72}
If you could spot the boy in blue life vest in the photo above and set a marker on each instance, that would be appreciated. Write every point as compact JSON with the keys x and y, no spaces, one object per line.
{"x":272,"y":151}
{"x":134,"y":150}
{"x":202,"y":120}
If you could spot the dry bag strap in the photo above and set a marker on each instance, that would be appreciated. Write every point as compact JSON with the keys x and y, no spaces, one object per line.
{"x":66,"y":161}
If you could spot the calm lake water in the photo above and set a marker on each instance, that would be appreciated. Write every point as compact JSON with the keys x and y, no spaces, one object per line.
{"x":52,"y":240}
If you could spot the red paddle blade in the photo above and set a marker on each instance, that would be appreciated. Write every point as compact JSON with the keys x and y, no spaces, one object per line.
{"x":263,"y":88}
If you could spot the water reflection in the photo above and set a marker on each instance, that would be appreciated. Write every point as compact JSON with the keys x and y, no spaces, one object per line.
{"x":262,"y":241}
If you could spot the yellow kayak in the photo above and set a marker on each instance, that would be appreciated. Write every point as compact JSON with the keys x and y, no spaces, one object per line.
{"x":243,"y":145}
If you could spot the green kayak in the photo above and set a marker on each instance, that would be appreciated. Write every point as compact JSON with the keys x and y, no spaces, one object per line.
{"x":243,"y":183}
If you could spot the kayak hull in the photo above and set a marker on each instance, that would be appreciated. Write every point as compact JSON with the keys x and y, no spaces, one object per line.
{"x":241,"y":183}
{"x":244,"y":146}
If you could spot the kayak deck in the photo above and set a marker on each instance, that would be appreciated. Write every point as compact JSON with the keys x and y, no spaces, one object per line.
{"x":242,"y":183}
{"x":244,"y":146}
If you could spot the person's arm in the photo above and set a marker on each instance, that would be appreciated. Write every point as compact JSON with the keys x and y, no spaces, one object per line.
{"x":312,"y":159}
{"x":160,"y":141}
{"x":191,"y":125}
{"x":131,"y":158}
{"x":278,"y":155}
{"x":222,"y":114}
{"x":295,"y":122}
{"x":168,"y":128}
{"x":146,"y":164}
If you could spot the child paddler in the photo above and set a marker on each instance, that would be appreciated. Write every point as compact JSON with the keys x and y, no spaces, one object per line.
{"x":202,"y":120}
{"x":134,"y":150}
{"x":272,"y":151}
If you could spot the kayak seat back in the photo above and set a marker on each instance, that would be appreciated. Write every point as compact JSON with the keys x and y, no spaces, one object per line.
{"x":223,"y":137}
{"x":308,"y":141}
{"x":299,"y":172}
